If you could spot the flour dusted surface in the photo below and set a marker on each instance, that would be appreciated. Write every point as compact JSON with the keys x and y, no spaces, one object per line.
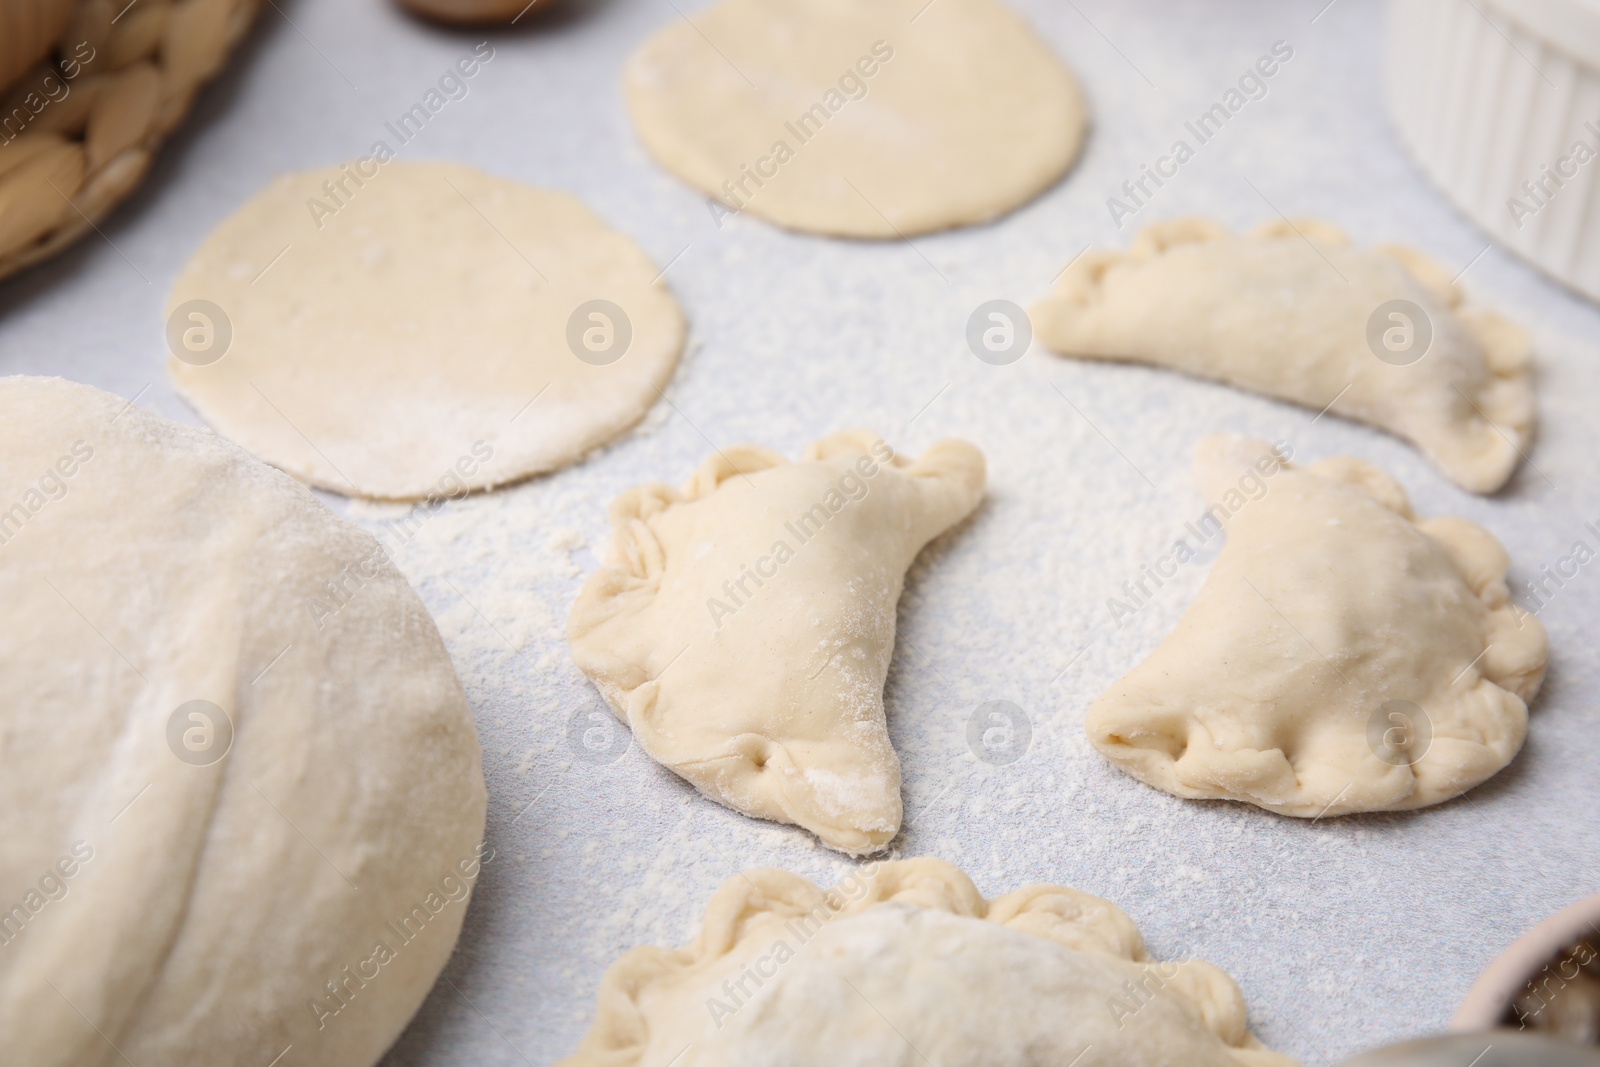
{"x":1342,"y":933}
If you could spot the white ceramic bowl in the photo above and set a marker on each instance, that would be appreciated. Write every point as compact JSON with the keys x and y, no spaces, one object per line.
{"x":1492,"y":97}
{"x":1489,"y":1000}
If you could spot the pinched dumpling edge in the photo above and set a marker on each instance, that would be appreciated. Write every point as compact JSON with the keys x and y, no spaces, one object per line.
{"x":1505,"y":403}
{"x":1514,"y":658}
{"x":634,"y":546}
{"x":950,"y":474}
{"x":636,"y":558}
{"x":1059,"y":914}
{"x":1483,"y":563}
{"x":1484,"y":566}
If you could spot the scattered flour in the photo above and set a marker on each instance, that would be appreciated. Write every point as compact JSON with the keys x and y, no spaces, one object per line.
{"x":1329,"y":926}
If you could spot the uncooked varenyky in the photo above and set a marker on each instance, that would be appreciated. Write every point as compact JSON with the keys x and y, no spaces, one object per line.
{"x":1342,"y":656}
{"x":1294,"y":311}
{"x":907,"y":963}
{"x":743,"y":626}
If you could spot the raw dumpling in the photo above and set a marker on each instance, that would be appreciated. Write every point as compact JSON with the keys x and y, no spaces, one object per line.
{"x":743,"y":627}
{"x":241,"y":795}
{"x":1342,"y":656}
{"x":905,"y":963}
{"x":1295,"y":312}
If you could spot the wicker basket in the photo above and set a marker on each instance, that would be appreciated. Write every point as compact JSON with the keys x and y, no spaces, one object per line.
{"x":78,"y":130}
{"x":29,"y":29}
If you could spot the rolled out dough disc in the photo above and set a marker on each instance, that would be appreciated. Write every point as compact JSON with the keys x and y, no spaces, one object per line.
{"x":858,"y":118}
{"x":234,"y":756}
{"x":404,"y":330}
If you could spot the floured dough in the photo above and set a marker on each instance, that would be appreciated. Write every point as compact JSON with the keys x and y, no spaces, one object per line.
{"x":395,"y":346}
{"x":192,"y":896}
{"x":885,"y":118}
{"x":1286,"y":311}
{"x":1342,"y":656}
{"x":905,"y":963}
{"x":743,"y":626}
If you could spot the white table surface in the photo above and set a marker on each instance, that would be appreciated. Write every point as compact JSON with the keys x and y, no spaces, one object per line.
{"x":1343,"y":933}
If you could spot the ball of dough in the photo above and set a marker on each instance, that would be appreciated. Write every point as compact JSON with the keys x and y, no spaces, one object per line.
{"x":405,"y":330}
{"x":241,"y":793}
{"x":882,"y":119}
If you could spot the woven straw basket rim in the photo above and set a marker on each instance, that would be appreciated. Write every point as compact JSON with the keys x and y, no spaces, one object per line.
{"x":79,"y":128}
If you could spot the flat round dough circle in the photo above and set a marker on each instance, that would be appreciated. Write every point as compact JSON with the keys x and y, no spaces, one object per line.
{"x":389,"y":339}
{"x":190,"y":888}
{"x":966,"y":113}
